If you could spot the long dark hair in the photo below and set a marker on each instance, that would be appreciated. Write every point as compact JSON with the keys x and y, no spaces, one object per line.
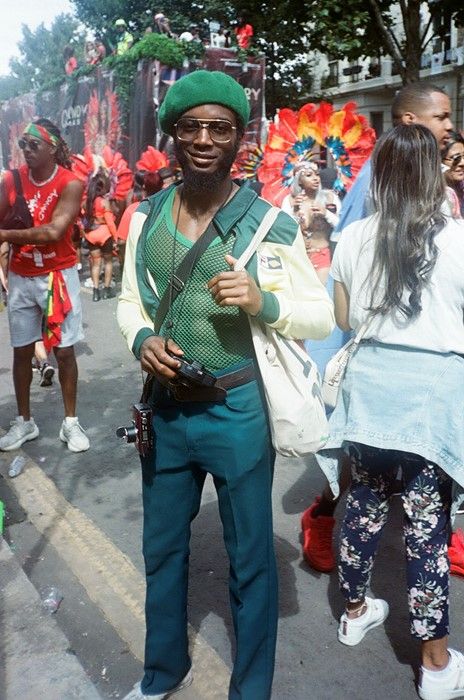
{"x":98,"y":187}
{"x":62,"y":154}
{"x":409,"y":191}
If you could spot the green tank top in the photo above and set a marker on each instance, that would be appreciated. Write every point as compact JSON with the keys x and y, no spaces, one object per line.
{"x":218,"y":337}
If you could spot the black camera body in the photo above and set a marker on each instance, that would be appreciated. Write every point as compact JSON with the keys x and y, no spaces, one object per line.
{"x":141,"y":430}
{"x":194,"y":372}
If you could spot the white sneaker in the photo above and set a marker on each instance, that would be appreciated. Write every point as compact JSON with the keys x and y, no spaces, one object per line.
{"x":72,"y":433}
{"x":21,"y":431}
{"x":136,"y":693}
{"x":446,"y":684}
{"x":351,"y":632}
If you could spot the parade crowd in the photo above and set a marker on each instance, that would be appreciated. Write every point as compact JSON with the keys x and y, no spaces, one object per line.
{"x":240,"y":36}
{"x":385,"y":263}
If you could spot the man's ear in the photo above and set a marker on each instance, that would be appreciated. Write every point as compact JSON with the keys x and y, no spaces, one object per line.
{"x":240,"y":133}
{"x":409,"y":118}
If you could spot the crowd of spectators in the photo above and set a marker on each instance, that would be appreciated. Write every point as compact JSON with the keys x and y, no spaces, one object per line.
{"x":239,"y":35}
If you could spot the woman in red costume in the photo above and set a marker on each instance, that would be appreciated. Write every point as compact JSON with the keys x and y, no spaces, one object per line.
{"x":100,"y":232}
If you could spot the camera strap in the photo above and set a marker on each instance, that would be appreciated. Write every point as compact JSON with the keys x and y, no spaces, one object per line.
{"x":182,"y":273}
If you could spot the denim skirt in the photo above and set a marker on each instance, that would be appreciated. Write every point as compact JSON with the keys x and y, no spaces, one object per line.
{"x":399,"y":398}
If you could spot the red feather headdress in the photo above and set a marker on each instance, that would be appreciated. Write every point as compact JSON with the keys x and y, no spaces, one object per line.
{"x":115,"y":166}
{"x":152,"y":160}
{"x":299,"y":136}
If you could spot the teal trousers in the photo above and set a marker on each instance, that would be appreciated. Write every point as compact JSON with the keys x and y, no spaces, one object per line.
{"x":231,"y":442}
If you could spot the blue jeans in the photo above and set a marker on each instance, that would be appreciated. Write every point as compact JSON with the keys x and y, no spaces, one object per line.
{"x":426,"y":497}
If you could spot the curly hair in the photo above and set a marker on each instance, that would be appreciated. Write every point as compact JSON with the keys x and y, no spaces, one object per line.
{"x":63,"y":154}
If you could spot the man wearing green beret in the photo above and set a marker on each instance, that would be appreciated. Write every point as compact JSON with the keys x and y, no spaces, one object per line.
{"x":209,"y":417}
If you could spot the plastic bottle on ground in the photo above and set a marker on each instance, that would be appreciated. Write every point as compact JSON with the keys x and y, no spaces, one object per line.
{"x":16,"y":466}
{"x":51,"y":599}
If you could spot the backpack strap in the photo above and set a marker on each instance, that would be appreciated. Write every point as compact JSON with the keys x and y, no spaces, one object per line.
{"x":261,"y":233}
{"x":17,"y":182}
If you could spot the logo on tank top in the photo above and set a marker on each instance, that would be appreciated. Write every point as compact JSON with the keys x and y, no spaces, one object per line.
{"x":35,"y":204}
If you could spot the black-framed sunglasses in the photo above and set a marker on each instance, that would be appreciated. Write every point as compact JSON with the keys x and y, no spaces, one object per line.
{"x":219,"y":130}
{"x":33,"y":145}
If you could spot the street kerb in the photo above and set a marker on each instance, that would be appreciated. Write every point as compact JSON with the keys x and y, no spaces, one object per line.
{"x":110,"y":579}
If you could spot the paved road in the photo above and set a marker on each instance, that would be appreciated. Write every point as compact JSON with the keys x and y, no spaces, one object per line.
{"x":75,"y":520}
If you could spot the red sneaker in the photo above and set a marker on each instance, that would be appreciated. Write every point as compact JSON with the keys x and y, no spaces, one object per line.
{"x":456,"y":553}
{"x":317,"y":539}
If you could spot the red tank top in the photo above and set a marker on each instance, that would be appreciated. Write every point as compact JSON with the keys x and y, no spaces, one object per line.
{"x":33,"y":259}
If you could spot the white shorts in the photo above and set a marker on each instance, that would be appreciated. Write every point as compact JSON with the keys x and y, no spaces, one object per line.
{"x":27,"y":299}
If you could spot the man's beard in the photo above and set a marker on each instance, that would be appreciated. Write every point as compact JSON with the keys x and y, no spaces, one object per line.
{"x":204,"y":182}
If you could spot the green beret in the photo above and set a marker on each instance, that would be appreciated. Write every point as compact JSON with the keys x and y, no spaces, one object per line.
{"x":200,"y":88}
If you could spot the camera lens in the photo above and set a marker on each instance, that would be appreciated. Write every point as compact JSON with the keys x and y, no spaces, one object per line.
{"x":129,"y":434}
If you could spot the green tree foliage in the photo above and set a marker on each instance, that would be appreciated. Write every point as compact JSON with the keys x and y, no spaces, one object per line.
{"x":368,"y":28}
{"x":280,"y":33}
{"x":9,"y":87}
{"x":284,"y":32}
{"x":41,"y":64}
{"x":279,"y":28}
{"x":100,"y":15}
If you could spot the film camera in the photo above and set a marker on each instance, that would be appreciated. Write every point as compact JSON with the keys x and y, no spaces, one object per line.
{"x":141,"y":430}
{"x":193,"y":372}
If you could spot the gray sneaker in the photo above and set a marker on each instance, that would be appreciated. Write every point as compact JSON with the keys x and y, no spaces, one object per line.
{"x":73,"y":434}
{"x":136,"y":693}
{"x":21,"y":431}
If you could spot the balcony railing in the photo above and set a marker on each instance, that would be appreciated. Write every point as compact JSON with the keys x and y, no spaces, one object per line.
{"x":384,"y":69}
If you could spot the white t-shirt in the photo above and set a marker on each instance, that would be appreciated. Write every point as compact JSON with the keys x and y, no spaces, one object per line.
{"x":439,"y":326}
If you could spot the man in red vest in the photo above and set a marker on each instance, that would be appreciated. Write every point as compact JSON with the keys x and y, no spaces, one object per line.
{"x":43,"y":282}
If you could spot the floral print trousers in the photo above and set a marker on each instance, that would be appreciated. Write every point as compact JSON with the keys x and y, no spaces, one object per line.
{"x":426,"y":497}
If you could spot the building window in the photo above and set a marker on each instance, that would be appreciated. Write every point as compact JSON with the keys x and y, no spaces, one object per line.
{"x":376,"y":120}
{"x":442,"y":24}
{"x":332,"y":78}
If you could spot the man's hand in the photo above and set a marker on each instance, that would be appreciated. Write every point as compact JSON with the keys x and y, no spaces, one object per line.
{"x":155,"y":360}
{"x":236,"y":289}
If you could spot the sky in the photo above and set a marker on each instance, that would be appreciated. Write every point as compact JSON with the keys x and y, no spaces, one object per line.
{"x":30,"y":12}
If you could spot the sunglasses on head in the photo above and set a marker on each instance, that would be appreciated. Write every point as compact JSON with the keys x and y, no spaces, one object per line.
{"x":26,"y":143}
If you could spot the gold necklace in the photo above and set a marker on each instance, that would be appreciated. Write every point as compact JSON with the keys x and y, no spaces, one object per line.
{"x":44,"y":182}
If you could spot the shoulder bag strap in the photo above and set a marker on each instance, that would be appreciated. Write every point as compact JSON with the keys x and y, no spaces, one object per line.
{"x":17,"y":183}
{"x":261,"y":233}
{"x":362,"y":331}
{"x":182,"y":273}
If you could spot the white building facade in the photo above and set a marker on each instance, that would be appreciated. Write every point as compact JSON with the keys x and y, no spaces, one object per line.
{"x":372,"y":82}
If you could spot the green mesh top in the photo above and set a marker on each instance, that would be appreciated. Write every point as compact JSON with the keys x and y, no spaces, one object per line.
{"x":218,"y":337}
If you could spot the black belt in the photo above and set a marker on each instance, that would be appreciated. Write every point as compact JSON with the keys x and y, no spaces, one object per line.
{"x":197,"y":392}
{"x":237,"y":377}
